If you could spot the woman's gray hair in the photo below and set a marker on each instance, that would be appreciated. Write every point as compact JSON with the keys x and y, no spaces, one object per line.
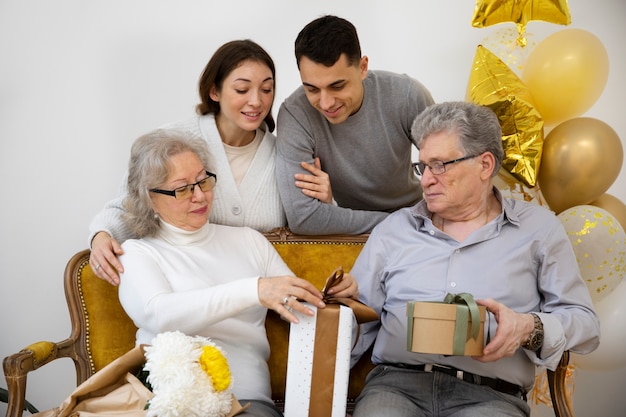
{"x":477,"y":127}
{"x":148,"y":168}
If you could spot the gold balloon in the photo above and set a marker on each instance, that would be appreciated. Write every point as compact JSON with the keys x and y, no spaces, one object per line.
{"x":566,"y":74}
{"x":520,"y":12}
{"x":613,"y":205}
{"x":599,"y":243}
{"x":581,"y":159}
{"x":494,"y":85}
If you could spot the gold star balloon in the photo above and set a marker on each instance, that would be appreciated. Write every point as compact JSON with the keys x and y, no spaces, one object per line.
{"x":520,"y":12}
{"x":493,"y":84}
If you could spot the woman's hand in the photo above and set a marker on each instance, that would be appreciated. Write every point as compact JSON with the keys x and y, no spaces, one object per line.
{"x":285,"y":293}
{"x":316,"y":185}
{"x":346,"y":288}
{"x":103,"y":258}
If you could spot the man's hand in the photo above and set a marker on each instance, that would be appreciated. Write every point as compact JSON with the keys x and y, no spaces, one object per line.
{"x":316,"y":185}
{"x":103,"y":258}
{"x":513,"y":330}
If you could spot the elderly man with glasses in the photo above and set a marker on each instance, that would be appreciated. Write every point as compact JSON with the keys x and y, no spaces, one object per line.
{"x":514,"y":257}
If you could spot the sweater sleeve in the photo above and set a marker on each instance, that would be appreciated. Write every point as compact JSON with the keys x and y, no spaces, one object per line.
{"x":148,"y":297}
{"x":109,"y":219}
{"x":306,"y":215}
{"x":190,"y":287}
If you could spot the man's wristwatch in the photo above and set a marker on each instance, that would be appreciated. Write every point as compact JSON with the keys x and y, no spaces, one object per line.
{"x":535,"y":340}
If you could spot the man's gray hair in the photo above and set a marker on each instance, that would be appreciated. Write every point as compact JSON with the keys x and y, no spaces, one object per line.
{"x":477,"y":127}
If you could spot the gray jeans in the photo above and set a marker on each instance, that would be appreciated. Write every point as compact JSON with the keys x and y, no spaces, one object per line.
{"x":396,"y":392}
{"x":260,"y":409}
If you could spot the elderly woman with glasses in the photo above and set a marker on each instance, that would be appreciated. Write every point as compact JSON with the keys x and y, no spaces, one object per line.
{"x":186,"y":274}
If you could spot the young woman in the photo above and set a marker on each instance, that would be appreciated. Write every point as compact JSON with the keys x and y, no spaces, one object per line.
{"x":234,"y":117}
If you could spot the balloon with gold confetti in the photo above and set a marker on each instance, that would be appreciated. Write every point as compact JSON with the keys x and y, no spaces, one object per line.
{"x":520,"y":12}
{"x":494,"y":85}
{"x":599,"y":243}
{"x":504,"y":44}
{"x":613,"y":205}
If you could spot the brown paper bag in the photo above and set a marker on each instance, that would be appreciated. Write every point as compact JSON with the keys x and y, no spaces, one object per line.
{"x":114,"y":391}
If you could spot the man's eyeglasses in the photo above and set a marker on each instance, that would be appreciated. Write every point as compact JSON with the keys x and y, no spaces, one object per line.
{"x":437,"y":167}
{"x":186,"y":191}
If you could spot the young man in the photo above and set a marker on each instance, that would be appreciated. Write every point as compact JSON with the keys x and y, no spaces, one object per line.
{"x":352,"y":124}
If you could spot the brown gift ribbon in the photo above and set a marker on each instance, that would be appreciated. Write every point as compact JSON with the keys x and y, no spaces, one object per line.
{"x":325,"y":348}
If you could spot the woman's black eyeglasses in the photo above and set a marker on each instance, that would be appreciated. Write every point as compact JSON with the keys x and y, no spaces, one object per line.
{"x":186,"y":191}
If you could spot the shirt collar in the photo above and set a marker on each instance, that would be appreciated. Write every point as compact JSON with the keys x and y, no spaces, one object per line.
{"x":420,"y":210}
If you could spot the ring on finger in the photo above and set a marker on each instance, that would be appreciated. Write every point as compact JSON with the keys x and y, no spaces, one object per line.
{"x":97,"y":267}
{"x":286,"y":300}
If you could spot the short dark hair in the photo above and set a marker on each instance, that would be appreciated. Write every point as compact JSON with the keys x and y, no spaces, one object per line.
{"x":325,"y":39}
{"x":228,"y":57}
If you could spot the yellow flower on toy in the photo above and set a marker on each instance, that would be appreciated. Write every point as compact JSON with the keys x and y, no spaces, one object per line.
{"x":189,"y":377}
{"x":215,"y":365}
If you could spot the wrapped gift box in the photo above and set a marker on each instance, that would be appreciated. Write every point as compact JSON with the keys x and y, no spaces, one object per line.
{"x":317,"y":372}
{"x":434,"y":327}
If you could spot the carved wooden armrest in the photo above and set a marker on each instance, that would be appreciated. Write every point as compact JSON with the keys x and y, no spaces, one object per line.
{"x":558,"y":390}
{"x":18,"y":365}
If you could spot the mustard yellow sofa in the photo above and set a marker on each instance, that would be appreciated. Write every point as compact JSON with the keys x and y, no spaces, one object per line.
{"x":101,"y":330}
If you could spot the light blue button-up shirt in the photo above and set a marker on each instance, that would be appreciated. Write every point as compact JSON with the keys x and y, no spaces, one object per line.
{"x":522,"y":259}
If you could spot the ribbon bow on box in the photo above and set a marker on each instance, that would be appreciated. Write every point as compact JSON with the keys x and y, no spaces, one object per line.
{"x":463,"y":315}
{"x":324,"y":352}
{"x":362,"y":312}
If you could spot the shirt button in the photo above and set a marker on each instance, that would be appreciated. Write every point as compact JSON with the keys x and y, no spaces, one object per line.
{"x":236,"y":210}
{"x":457,"y":251}
{"x":432,"y":232}
{"x":453,"y":284}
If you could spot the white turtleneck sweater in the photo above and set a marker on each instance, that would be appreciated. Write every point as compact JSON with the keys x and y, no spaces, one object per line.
{"x":205,"y":283}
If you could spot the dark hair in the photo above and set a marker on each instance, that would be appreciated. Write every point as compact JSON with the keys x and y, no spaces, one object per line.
{"x":228,"y":57}
{"x":478,"y":128}
{"x":325,"y":39}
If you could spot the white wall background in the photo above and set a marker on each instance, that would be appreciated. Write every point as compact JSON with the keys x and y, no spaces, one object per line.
{"x":80,"y":80}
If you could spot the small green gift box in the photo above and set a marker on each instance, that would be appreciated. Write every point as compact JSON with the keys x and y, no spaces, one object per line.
{"x":452,"y":327}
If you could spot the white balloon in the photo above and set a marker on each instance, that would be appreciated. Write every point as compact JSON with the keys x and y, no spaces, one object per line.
{"x":511,"y":48}
{"x":611,"y":354}
{"x":599,"y":242}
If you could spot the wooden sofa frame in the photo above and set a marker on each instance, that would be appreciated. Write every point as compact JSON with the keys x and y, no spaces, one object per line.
{"x":101,"y":331}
